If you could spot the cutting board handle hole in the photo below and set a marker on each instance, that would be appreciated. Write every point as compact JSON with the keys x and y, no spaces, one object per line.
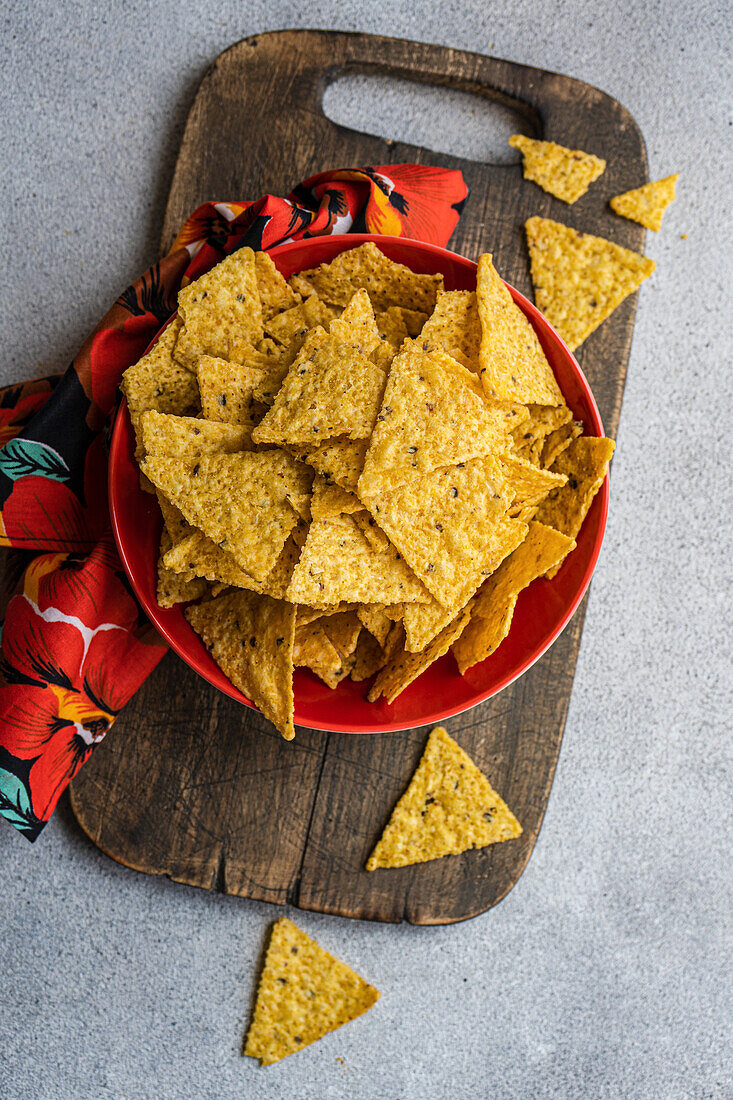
{"x":445,"y":120}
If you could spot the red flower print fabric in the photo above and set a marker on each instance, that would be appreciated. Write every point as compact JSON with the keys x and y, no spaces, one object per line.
{"x":75,"y":645}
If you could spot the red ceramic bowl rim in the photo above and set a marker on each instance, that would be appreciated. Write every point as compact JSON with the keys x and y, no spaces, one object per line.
{"x":352,"y":240}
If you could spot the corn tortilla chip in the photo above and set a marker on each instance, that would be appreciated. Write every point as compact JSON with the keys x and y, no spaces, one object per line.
{"x":585,"y":464}
{"x":392,"y":326}
{"x":369,"y":528}
{"x":454,"y":327}
{"x":512,"y":363}
{"x":307,"y":615}
{"x":357,"y":326}
{"x":191,"y":437}
{"x":227,"y":389}
{"x":376,"y":621}
{"x":275,"y":294}
{"x":303,"y":993}
{"x":529,"y":436}
{"x":331,"y":500}
{"x":339,"y":460}
{"x":343,"y":630}
{"x":251,"y":639}
{"x":556,"y":442}
{"x":337,"y":563}
{"x":368,"y":657}
{"x":175,"y":523}
{"x":238,"y":500}
{"x":449,"y":807}
{"x":494,"y":606}
{"x":387,"y":283}
{"x":405,"y":667}
{"x":646,"y":205}
{"x":221,"y":310}
{"x":530,"y":485}
{"x":196,"y":555}
{"x":580,"y":279}
{"x":294,"y":323}
{"x":174,"y":588}
{"x":565,"y":173}
{"x":315,"y":650}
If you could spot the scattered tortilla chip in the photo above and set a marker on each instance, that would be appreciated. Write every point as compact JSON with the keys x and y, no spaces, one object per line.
{"x":449,"y":807}
{"x":340,"y":461}
{"x":426,"y":420}
{"x":331,"y":390}
{"x":157,"y":381}
{"x":238,"y":500}
{"x":221,"y":310}
{"x":565,"y":173}
{"x":331,"y":500}
{"x":556,"y":442}
{"x":585,"y":464}
{"x":447,"y":525}
{"x":387,"y":283}
{"x":455,"y":328}
{"x":251,"y":639}
{"x":337,"y":563}
{"x":406,"y":667}
{"x":357,"y":326}
{"x":530,"y":485}
{"x":529,"y":436}
{"x":371,"y":531}
{"x":494,"y":606}
{"x":175,"y":522}
{"x":580,"y":279}
{"x":646,"y":205}
{"x":303,"y":993}
{"x":294,"y":323}
{"x":191,"y":437}
{"x":196,"y":555}
{"x":174,"y":588}
{"x":512,"y":363}
{"x":423,"y":622}
{"x":227,"y":389}
{"x":275,"y":294}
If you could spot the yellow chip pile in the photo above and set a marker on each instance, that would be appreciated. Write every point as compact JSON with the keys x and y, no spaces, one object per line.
{"x":358,"y":470}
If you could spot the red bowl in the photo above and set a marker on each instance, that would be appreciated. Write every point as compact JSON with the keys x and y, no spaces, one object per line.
{"x":543,"y":609}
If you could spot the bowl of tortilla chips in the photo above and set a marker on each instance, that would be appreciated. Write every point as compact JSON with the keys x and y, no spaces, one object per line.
{"x":358,"y":483}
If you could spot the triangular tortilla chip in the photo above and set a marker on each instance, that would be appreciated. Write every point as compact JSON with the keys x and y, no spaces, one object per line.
{"x":196,"y":555}
{"x":423,"y":622}
{"x":565,"y":173}
{"x":356,"y":325}
{"x":221,"y":310}
{"x":494,"y":606}
{"x":174,"y":588}
{"x":449,"y":807}
{"x":447,"y":525}
{"x":175,"y":522}
{"x":371,"y":531}
{"x":294,"y":323}
{"x":529,"y":484}
{"x":556,"y":442}
{"x":454,"y":327}
{"x":646,"y":205}
{"x":512,"y":363}
{"x":331,"y":390}
{"x":251,"y":639}
{"x":157,"y":381}
{"x":315,"y":650}
{"x":227,"y":389}
{"x":405,"y":667}
{"x":580,"y":279}
{"x":387,"y":283}
{"x":238,"y":500}
{"x":191,"y":437}
{"x":426,"y":420}
{"x":331,"y":500}
{"x":585,"y":464}
{"x":275,"y":294}
{"x":529,"y":436}
{"x":337,"y":563}
{"x":376,"y":620}
{"x":303,"y":993}
{"x":343,"y":629}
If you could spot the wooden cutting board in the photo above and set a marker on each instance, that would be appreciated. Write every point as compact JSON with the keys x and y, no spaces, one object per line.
{"x":190,"y":784}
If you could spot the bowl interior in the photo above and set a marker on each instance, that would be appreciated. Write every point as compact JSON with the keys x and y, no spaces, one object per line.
{"x":542,"y":611}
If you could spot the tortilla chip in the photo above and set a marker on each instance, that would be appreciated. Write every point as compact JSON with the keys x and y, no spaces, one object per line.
{"x":356,"y":326}
{"x":447,"y":525}
{"x":512,"y":363}
{"x":449,"y":807}
{"x":315,"y":650}
{"x":565,"y":173}
{"x":580,"y":279}
{"x":303,"y":994}
{"x":251,"y":639}
{"x":331,"y":500}
{"x":337,"y":563}
{"x":530,"y":485}
{"x":191,"y":437}
{"x":275,"y":294}
{"x":174,"y":588}
{"x":339,"y":460}
{"x":196,"y":555}
{"x":423,"y":622}
{"x":331,"y":390}
{"x":646,"y":205}
{"x":175,"y":522}
{"x":455,"y":328}
{"x":221,"y":310}
{"x":294,"y":323}
{"x":529,"y":436}
{"x":376,"y":621}
{"x":238,"y":500}
{"x":369,"y":528}
{"x":307,"y":615}
{"x":368,"y":657}
{"x":426,"y":421}
{"x":494,"y":606}
{"x":387,"y":283}
{"x":227,"y":389}
{"x":406,"y":667}
{"x":585,"y":464}
{"x":556,"y":442}
{"x":343,"y":630}
{"x":391,"y":326}
{"x":157,"y":381}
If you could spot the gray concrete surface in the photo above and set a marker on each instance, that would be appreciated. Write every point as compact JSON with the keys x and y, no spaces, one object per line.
{"x":606,"y":972}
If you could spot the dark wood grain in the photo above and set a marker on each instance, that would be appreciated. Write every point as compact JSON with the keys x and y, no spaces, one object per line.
{"x":192,"y":785}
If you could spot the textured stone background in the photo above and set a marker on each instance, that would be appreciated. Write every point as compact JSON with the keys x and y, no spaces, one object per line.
{"x":605,"y":972}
